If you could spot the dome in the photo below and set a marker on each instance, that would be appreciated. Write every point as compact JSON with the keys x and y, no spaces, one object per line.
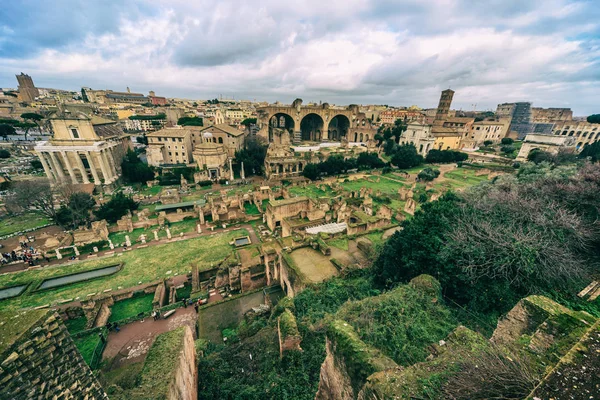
{"x":207,"y":135}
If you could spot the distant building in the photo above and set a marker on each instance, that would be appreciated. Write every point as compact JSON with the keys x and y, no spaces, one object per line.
{"x":581,"y":131}
{"x":83,"y":149}
{"x":418,"y":134}
{"x":483,"y":131}
{"x":519,"y":115}
{"x":169,"y":146}
{"x":548,"y":143}
{"x":157,"y":100}
{"x":27,"y":90}
{"x":390,"y":116}
{"x":444,"y":105}
{"x":550,"y":115}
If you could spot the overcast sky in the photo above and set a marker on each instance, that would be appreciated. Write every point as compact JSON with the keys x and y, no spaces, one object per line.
{"x":397,"y":52}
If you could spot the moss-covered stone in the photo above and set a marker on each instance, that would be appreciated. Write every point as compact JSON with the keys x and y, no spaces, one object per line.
{"x":360,"y":359}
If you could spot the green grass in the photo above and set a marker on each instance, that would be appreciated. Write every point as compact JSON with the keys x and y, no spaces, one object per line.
{"x":460,"y":178}
{"x":139,"y":266}
{"x":251,"y":209}
{"x":184,"y":292}
{"x":131,"y":307}
{"x":340,"y":243}
{"x":153,"y":191}
{"x":376,"y":238}
{"x":188,"y":225}
{"x":76,"y":324}
{"x":312,"y":191}
{"x":13,"y":224}
{"x":86,"y":345}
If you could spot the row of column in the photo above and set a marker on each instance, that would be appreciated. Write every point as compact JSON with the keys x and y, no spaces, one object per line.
{"x":55,"y":172}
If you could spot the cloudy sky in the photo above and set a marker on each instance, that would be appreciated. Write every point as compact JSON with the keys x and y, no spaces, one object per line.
{"x":397,"y":52}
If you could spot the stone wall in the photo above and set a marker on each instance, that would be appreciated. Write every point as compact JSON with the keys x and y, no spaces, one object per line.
{"x":38,"y":359}
{"x":170,"y":370}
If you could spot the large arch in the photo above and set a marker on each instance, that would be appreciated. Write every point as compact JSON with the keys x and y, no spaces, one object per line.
{"x":338,"y":128}
{"x":279,"y":122}
{"x":311,"y":127}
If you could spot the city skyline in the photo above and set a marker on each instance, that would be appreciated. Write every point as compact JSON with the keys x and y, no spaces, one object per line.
{"x":397,"y":53}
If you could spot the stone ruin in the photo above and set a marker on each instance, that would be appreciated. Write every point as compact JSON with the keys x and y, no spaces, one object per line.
{"x":98,"y":232}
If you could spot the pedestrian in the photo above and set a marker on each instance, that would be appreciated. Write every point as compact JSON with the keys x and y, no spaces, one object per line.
{"x":196,"y":307}
{"x":116,"y":326}
{"x":184,"y":303}
{"x":154,"y":315}
{"x":157,"y":314}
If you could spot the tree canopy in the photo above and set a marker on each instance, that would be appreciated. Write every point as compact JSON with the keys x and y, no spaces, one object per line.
{"x":134,"y":170}
{"x":252,"y":155}
{"x":190,"y":121}
{"x":118,"y":206}
{"x":6,"y":129}
{"x":594,"y":119}
{"x":537,"y":232}
{"x":406,"y":156}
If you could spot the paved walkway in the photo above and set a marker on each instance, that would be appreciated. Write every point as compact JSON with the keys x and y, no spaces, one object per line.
{"x":132,"y":342}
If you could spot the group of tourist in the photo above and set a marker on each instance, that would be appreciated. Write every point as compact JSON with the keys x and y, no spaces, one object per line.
{"x":26,"y":254}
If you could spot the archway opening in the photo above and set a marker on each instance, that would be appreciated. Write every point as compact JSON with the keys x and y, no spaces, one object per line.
{"x":311,"y":127}
{"x":280,"y":123}
{"x":338,"y":127}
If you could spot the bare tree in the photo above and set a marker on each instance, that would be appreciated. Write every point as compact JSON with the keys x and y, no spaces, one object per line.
{"x":515,"y":232}
{"x":32,"y":195}
{"x":491,"y":372}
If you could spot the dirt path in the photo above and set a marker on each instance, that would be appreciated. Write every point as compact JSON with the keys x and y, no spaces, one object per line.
{"x":132,"y":342}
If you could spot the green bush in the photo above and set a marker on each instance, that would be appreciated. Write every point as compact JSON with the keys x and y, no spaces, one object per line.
{"x":428,"y":174}
{"x":4,"y":153}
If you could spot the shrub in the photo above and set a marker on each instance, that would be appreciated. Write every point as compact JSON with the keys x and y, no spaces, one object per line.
{"x":205,"y":183}
{"x":507,"y":149}
{"x":4,"y":153}
{"x":116,"y":207}
{"x":222,"y":181}
{"x":507,"y":141}
{"x":488,"y":142}
{"x":428,"y":174}
{"x":36,"y":164}
{"x":445,"y":156}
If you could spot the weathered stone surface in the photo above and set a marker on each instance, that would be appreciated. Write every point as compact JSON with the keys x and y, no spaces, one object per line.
{"x":40,"y":360}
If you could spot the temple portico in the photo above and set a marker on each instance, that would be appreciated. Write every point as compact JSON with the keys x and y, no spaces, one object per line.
{"x":83,"y":150}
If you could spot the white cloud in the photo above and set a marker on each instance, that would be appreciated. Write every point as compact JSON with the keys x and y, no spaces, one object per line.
{"x":352,"y":51}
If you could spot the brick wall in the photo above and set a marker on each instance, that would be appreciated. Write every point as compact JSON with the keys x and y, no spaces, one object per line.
{"x":43,"y":362}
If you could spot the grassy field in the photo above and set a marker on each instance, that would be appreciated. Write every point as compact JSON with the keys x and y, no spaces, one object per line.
{"x":340,"y":243}
{"x":22,"y":222}
{"x":312,"y":191}
{"x":76,"y":325}
{"x":460,"y":178}
{"x":86,"y":345}
{"x":176,"y":228}
{"x":131,"y":307}
{"x":140,"y":266}
{"x":251,"y":209}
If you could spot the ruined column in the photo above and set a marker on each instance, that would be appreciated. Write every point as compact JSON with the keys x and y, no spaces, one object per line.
{"x":57,"y":167}
{"x":103,"y":168}
{"x":242,"y":172}
{"x":230,"y":170}
{"x":93,"y":168}
{"x":58,"y":255}
{"x":111,"y":162}
{"x":76,"y":250}
{"x":69,"y":167}
{"x":127,"y":241}
{"x":168,"y":232}
{"x":46,"y":167}
{"x":155,"y":235}
{"x":201,"y":215}
{"x":84,"y":173}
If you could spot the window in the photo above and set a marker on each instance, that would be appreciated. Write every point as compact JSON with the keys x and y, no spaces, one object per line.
{"x":180,"y":139}
{"x":170,"y":154}
{"x":74,"y":133}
